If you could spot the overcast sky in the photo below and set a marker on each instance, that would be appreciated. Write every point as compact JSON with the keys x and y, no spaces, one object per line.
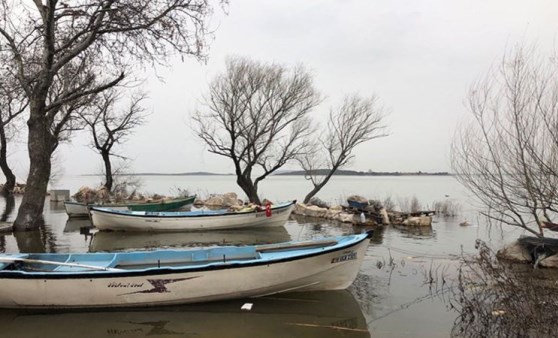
{"x":418,"y":56}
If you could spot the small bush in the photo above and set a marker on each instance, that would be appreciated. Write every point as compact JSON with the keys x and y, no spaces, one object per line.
{"x":447,"y":208}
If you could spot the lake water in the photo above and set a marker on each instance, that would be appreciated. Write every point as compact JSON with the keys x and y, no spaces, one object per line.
{"x":402,"y":289}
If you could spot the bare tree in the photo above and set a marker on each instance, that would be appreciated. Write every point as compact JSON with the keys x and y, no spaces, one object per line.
{"x":257,"y":115}
{"x":507,"y":156}
{"x":110,"y":127}
{"x":356,"y":121}
{"x":12,"y":105}
{"x":59,"y":48}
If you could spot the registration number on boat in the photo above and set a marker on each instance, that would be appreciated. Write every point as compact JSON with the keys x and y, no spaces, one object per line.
{"x":347,"y":256}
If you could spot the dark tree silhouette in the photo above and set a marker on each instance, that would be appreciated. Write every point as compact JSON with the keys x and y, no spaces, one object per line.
{"x":257,"y":115}
{"x":59,"y":49}
{"x":110,"y":127}
{"x":507,"y":156}
{"x":12,"y":105}
{"x":356,"y":121}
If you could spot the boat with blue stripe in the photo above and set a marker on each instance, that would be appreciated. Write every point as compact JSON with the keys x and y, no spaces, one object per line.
{"x":199,"y":220}
{"x":166,"y":277}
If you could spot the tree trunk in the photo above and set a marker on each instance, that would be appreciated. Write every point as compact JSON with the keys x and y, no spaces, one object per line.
{"x":10,"y":205}
{"x":41,"y":144}
{"x":312,"y":193}
{"x":318,"y":187}
{"x":10,"y":177}
{"x":249,"y":189}
{"x":108,"y":171}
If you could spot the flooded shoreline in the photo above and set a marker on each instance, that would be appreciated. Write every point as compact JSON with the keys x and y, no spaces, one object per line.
{"x":404,"y":288}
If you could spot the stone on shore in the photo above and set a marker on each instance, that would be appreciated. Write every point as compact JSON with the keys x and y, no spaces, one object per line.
{"x":549,"y":262}
{"x":385,"y":216}
{"x":310,"y":210}
{"x":346,"y":217}
{"x":214,"y":201}
{"x":357,"y":198}
{"x":6,"y":226}
{"x":334,"y":213}
{"x":421,"y":221}
{"x":515,"y":252}
{"x":228,"y":199}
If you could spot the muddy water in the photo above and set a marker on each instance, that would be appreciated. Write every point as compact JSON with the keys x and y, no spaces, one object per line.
{"x":402,"y":290}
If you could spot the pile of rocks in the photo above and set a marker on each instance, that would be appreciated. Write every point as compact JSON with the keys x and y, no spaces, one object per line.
{"x":229,"y":199}
{"x":518,"y":253}
{"x":19,"y":188}
{"x":335,"y":213}
{"x":102,"y":195}
{"x":368,"y":213}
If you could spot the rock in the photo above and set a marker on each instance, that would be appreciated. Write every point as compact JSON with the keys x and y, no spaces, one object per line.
{"x":299,"y":209}
{"x":332,"y":213}
{"x":226,"y":200}
{"x":230,"y":199}
{"x":318,"y":202}
{"x":214,"y":201}
{"x":549,"y":262}
{"x":345,"y":217}
{"x":357,"y":198}
{"x":315,"y":211}
{"x":421,"y":221}
{"x":103,"y":194}
{"x":310,"y":210}
{"x":85,"y":194}
{"x":515,"y":252}
{"x":336,"y":207}
{"x":6,"y":226}
{"x":385,"y":216}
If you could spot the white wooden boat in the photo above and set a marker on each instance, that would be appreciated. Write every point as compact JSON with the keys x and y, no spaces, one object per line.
{"x":78,"y":209}
{"x":165,"y":277}
{"x":125,"y":220}
{"x":301,"y":314}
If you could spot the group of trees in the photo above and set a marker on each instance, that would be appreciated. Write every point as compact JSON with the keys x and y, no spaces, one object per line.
{"x":258,"y":115}
{"x":59,"y":57}
{"x":66,"y":66}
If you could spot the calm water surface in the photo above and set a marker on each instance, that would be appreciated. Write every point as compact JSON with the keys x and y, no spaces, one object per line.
{"x":402,"y":289}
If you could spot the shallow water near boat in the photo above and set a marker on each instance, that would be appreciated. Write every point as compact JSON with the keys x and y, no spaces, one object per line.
{"x":394,"y":294}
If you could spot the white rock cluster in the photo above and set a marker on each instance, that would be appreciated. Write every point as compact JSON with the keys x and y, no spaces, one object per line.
{"x":334,"y":213}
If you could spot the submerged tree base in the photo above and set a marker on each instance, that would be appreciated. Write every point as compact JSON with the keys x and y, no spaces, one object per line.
{"x":497,"y":299}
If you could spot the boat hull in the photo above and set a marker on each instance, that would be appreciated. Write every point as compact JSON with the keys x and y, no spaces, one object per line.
{"x":77,"y":209}
{"x":107,"y":220}
{"x":329,"y":268}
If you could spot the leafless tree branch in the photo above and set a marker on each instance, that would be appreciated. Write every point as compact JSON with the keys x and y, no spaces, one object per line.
{"x":507,"y":156}
{"x":257,"y":115}
{"x":354,"y":122}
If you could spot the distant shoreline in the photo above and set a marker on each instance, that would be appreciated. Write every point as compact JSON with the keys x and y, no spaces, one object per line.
{"x":298,"y":173}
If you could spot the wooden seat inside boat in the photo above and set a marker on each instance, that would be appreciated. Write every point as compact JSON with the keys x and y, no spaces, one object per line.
{"x":185,"y":258}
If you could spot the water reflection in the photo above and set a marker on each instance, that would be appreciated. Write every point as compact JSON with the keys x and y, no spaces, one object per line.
{"x":55,"y":206}
{"x":38,"y":241}
{"x":416,"y":232}
{"x":77,"y":224}
{"x":312,"y":314}
{"x":118,"y":241}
